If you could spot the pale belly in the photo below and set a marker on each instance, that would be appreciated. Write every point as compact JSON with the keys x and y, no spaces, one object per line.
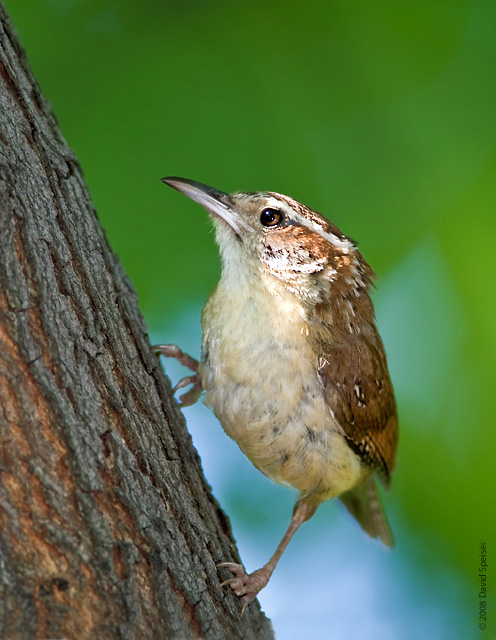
{"x":267,"y":396}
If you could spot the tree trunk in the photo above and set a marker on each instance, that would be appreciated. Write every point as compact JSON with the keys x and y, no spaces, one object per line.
{"x":107,"y":526}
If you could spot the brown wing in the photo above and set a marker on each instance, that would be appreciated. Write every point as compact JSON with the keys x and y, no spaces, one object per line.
{"x":359,"y":392}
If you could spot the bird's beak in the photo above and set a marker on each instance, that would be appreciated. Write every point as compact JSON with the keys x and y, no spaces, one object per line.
{"x":216,"y":202}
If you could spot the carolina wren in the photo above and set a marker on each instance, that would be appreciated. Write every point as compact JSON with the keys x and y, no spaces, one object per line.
{"x":292,"y":362}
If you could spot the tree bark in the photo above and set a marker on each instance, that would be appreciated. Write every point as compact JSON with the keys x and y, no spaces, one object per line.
{"x":108,"y":528}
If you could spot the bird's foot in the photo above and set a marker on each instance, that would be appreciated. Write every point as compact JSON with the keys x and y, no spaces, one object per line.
{"x":191,"y":396}
{"x":172,"y":351}
{"x":245,"y":585}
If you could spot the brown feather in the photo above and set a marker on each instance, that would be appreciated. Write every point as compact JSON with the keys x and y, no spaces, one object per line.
{"x":353,"y":367}
{"x":358,"y":390}
{"x":364,"y":504}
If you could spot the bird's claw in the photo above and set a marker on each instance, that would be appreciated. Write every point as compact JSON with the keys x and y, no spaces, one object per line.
{"x":172,"y":351}
{"x":245,"y":585}
{"x":191,"y":396}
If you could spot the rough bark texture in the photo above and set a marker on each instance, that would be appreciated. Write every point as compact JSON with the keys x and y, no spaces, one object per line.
{"x":107,"y":526}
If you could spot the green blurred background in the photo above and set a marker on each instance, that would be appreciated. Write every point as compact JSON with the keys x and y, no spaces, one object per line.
{"x":381,"y":115}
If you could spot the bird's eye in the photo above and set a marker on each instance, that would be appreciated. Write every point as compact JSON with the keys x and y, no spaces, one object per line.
{"x":271,"y":217}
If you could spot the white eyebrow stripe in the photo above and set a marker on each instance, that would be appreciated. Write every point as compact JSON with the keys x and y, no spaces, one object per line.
{"x":346,"y":245}
{"x":276,"y":203}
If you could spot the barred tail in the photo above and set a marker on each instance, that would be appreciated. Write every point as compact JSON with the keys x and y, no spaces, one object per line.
{"x":364,"y":504}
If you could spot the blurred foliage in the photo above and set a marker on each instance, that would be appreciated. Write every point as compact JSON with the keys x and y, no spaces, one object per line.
{"x":379,"y":114}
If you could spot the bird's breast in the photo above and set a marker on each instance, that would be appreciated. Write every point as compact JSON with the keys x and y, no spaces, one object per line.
{"x":259,"y":373}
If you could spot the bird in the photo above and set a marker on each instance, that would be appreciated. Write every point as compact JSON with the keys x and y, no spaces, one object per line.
{"x":292,"y":363}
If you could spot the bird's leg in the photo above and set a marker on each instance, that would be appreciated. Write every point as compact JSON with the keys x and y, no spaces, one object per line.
{"x":247,"y":586}
{"x":172,"y":351}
